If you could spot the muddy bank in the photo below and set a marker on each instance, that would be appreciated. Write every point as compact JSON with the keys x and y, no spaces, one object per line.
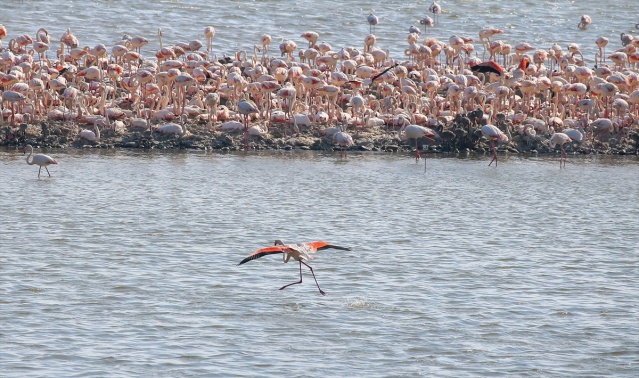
{"x":380,"y":139}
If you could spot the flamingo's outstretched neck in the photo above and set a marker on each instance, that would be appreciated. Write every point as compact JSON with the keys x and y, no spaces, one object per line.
{"x":30,"y":147}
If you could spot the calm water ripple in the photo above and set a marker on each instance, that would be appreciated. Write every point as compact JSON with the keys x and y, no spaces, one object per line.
{"x":125,"y":264}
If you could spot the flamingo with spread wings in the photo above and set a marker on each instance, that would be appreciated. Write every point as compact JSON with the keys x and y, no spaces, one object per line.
{"x":298,"y":252}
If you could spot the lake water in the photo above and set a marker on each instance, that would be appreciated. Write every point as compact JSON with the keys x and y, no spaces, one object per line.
{"x":125,"y":264}
{"x":240,"y":24}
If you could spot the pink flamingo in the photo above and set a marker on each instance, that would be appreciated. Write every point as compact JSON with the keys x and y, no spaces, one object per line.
{"x":298,"y":252}
{"x":39,"y":159}
{"x":560,"y":139}
{"x":415,"y":132}
{"x":493,"y":133}
{"x":246,"y":108}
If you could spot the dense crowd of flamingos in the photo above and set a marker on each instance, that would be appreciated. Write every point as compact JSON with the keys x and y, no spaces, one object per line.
{"x":445,"y":91}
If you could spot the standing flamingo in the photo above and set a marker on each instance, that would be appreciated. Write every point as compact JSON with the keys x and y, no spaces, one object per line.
{"x":372,"y":22}
{"x":246,"y":108}
{"x":343,"y":139}
{"x":299,"y":252}
{"x":209,"y":33}
{"x":39,"y":159}
{"x":493,"y":133}
{"x":436,"y":9}
{"x":560,"y":139}
{"x":415,"y":132}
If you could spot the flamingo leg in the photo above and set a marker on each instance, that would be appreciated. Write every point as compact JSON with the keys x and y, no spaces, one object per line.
{"x":39,"y":171}
{"x":564,"y":155}
{"x":417,"y":155}
{"x":309,"y":267}
{"x":294,"y":283}
{"x":47,"y":170}
{"x":300,"y":281}
{"x":492,"y":147}
{"x":245,"y":133}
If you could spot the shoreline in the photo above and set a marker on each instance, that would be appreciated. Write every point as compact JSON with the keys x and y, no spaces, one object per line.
{"x":376,"y":139}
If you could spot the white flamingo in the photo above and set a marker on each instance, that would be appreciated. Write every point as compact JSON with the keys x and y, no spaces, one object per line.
{"x":372,"y":22}
{"x":408,"y":131}
{"x":91,"y":136}
{"x":172,"y":128}
{"x":39,"y":159}
{"x":246,"y":108}
{"x":560,"y":139}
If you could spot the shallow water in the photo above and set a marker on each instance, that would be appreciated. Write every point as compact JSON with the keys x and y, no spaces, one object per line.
{"x":125,"y":264}
{"x":240,"y":24}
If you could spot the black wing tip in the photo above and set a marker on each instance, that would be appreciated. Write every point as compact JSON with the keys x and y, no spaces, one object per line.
{"x":257,"y":256}
{"x":335,"y":247}
{"x":248,"y":259}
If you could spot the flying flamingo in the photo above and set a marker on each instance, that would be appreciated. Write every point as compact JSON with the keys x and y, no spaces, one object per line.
{"x":39,"y":159}
{"x":493,"y":133}
{"x":560,"y":139}
{"x":299,"y":252}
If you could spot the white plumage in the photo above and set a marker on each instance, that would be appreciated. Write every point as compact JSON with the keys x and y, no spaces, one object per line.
{"x":39,"y":159}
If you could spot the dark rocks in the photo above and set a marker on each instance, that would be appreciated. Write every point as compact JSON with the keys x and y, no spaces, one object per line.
{"x":459,"y":137}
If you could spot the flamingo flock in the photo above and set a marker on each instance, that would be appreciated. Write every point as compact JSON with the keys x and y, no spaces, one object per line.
{"x":443,"y":91}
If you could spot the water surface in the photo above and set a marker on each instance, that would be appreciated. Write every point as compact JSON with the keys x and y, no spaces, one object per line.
{"x":125,"y":264}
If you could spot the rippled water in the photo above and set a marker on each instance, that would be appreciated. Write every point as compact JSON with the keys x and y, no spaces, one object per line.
{"x":125,"y":264}
{"x":240,"y":24}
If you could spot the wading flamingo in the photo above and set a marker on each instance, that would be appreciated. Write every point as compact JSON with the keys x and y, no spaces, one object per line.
{"x":39,"y":159}
{"x":416,"y":132}
{"x":246,"y":108}
{"x":298,"y":252}
{"x":560,"y":139}
{"x":372,"y":22}
{"x":493,"y":133}
{"x":436,"y":9}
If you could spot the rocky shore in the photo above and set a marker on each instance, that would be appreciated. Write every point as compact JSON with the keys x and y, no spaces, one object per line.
{"x":200,"y":137}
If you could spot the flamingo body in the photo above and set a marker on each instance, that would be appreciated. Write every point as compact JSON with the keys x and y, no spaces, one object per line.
{"x":91,"y":136}
{"x":246,"y":108}
{"x":299,"y":252}
{"x":416,"y":132}
{"x":488,"y":67}
{"x":39,"y":159}
{"x":560,"y":139}
{"x":493,"y":133}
